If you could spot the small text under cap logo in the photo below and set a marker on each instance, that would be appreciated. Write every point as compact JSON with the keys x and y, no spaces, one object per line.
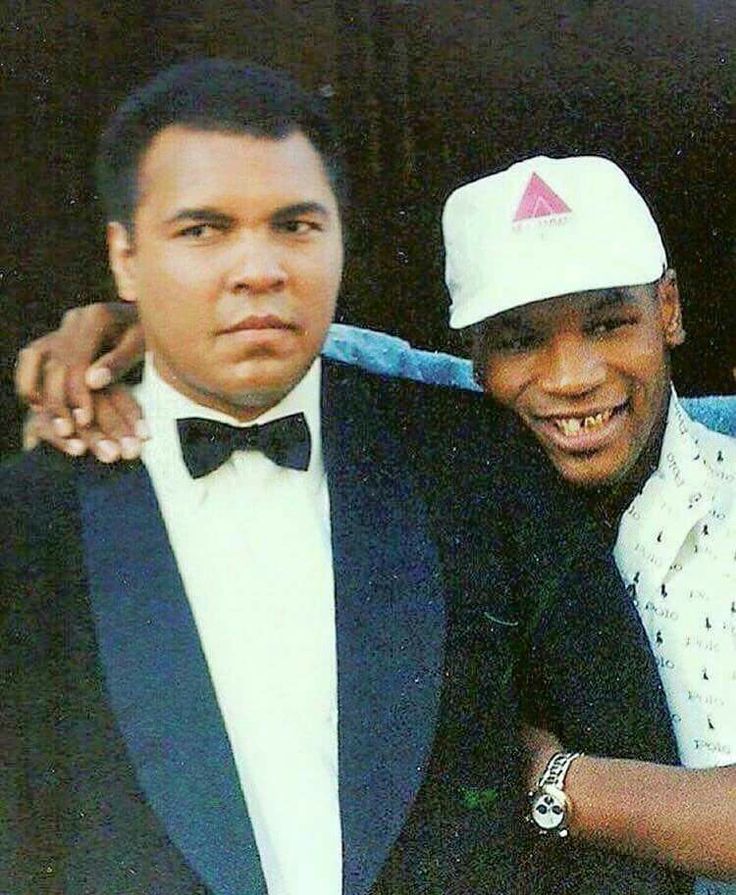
{"x":539,"y":201}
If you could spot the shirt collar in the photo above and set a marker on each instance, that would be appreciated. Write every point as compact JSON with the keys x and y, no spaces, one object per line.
{"x":163,"y":405}
{"x":681,"y":458}
{"x":672,"y":500}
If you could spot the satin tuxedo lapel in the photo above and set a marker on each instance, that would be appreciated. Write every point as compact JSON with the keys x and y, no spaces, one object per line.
{"x":158,"y":682}
{"x":390,"y":620}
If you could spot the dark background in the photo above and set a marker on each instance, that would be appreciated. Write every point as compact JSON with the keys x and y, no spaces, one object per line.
{"x":428,"y":95}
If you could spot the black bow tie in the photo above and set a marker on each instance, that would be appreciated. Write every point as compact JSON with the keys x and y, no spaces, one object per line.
{"x":207,"y":444}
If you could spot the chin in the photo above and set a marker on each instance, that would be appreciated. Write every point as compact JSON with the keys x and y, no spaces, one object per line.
{"x":266,"y":391}
{"x":590,"y":475}
{"x":260,"y":398}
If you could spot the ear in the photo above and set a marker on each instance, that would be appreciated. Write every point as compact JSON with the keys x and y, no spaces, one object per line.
{"x":670,"y":310}
{"x":121,"y":254}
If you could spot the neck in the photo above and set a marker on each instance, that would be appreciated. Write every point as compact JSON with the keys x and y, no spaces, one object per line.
{"x":609,"y":503}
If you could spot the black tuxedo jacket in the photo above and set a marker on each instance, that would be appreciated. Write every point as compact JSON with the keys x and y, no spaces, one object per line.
{"x":452,"y":559}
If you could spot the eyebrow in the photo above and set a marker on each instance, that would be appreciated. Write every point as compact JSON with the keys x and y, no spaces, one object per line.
{"x":211,"y":215}
{"x":613,"y":298}
{"x":299,"y":208}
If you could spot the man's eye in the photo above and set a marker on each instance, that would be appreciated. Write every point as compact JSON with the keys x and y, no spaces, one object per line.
{"x":608,"y":325}
{"x":298,"y":227}
{"x":199,"y":231}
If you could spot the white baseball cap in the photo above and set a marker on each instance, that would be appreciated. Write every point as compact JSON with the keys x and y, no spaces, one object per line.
{"x":545,"y":227}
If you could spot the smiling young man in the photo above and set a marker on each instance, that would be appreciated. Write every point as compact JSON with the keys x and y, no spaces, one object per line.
{"x":278,"y":653}
{"x":598,"y":411}
{"x":557,"y":268}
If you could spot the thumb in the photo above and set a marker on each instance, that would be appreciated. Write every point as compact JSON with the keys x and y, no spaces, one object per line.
{"x":116,"y":362}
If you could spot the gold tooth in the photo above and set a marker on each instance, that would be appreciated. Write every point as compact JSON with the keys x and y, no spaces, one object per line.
{"x":573,"y":425}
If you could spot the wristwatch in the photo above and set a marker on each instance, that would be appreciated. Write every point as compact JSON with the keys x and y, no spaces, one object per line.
{"x":550,"y":809}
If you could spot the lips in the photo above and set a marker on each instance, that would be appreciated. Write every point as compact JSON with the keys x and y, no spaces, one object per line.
{"x":257,"y":323}
{"x":583,"y":431}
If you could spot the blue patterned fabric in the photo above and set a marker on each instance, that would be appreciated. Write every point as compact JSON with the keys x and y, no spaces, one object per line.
{"x":391,"y":356}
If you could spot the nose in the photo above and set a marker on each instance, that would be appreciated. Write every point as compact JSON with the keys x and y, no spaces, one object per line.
{"x":256,"y":267}
{"x":572,"y":366}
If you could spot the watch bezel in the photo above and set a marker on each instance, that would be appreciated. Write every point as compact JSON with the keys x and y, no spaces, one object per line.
{"x":561,"y":800}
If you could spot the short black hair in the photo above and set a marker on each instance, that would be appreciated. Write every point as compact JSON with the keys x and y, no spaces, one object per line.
{"x":208,"y":94}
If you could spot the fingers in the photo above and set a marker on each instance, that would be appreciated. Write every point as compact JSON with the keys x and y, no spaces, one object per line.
{"x":117,"y":433}
{"x":115,"y":363}
{"x":129,"y":410}
{"x":28,"y":371}
{"x":50,"y":369}
{"x":30,"y":438}
{"x":55,"y":399}
{"x":78,"y":397}
{"x":117,"y":428}
{"x":84,"y":334}
{"x":97,"y":443}
{"x":54,"y":377}
{"x":40,"y":427}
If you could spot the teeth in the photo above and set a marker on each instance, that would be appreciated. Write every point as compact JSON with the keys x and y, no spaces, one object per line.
{"x":573,"y":425}
{"x":569,"y":426}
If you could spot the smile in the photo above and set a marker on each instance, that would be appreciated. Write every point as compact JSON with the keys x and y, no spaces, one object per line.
{"x":584,"y":432}
{"x":573,"y":425}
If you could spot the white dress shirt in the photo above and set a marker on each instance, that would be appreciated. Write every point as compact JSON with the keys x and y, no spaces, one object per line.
{"x":676,"y":551}
{"x":252,"y":543}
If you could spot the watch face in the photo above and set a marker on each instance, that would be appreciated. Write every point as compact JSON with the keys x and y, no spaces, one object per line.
{"x":547,"y":812}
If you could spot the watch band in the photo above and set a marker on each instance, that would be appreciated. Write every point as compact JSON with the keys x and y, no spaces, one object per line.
{"x":556,"y":771}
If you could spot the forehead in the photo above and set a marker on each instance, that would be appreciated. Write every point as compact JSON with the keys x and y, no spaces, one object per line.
{"x":191,"y":168}
{"x":564,"y":309}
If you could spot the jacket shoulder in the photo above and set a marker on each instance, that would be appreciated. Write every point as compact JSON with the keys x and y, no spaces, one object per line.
{"x":38,"y":513}
{"x":35,"y":481}
{"x":427,"y":413}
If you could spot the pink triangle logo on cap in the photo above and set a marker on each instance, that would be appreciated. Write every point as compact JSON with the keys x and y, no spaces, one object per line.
{"x":539,"y":201}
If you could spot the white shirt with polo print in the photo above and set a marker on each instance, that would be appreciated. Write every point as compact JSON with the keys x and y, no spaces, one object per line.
{"x":676,"y":550}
